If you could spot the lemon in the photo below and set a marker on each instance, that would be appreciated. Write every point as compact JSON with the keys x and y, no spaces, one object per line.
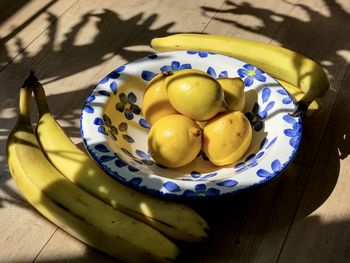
{"x":226,"y":137}
{"x":174,"y":140}
{"x":233,"y":92}
{"x":195,"y":94}
{"x":155,"y":103}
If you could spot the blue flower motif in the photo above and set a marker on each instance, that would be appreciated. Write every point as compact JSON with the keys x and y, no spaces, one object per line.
{"x":288,"y":99}
{"x":295,"y":132}
{"x":211,"y":72}
{"x":127,"y":104}
{"x":201,"y":54}
{"x":276,"y":168}
{"x":249,"y":73}
{"x":256,"y":116}
{"x":113,"y":75}
{"x":105,"y":127}
{"x":201,"y":191}
{"x":175,"y":66}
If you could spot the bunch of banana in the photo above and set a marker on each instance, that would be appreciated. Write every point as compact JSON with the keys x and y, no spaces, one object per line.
{"x":288,"y":66}
{"x":83,"y":215}
{"x":175,"y":220}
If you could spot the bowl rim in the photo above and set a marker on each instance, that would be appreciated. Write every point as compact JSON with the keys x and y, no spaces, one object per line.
{"x":174,"y":195}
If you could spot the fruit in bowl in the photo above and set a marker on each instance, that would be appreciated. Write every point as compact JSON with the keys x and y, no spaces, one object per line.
{"x":175,"y":140}
{"x":116,"y":135}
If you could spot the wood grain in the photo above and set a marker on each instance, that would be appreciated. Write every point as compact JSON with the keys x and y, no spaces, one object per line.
{"x":302,"y":216}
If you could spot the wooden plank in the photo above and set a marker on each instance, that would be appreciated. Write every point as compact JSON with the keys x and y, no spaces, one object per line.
{"x":23,"y":231}
{"x":250,"y":227}
{"x":322,"y":221}
{"x":72,"y":251}
{"x":24,"y":24}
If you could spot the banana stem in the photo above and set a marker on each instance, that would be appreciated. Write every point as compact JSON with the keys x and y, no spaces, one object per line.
{"x":40,"y":99}
{"x":25,"y":97}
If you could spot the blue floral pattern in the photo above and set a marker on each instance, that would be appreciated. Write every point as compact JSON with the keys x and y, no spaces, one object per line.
{"x":201,"y":54}
{"x":134,"y":164}
{"x":276,"y":168}
{"x":113,"y":75}
{"x":127,"y":104}
{"x":295,"y":132}
{"x":258,"y":115}
{"x":211,"y":71}
{"x":249,"y":73}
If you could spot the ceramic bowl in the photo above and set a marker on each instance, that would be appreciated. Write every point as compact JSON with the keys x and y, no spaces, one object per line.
{"x":115,"y":132}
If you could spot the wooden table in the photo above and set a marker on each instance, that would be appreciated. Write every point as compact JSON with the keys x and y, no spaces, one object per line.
{"x":303,"y":216}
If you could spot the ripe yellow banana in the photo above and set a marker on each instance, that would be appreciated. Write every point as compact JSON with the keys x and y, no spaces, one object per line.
{"x":73,"y":209}
{"x":172,"y":219}
{"x":279,"y":62}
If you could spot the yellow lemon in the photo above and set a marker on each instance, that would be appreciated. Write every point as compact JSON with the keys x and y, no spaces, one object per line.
{"x":174,"y":140}
{"x":233,"y":92}
{"x":226,"y":137}
{"x":195,"y":94}
{"x":155,"y":103}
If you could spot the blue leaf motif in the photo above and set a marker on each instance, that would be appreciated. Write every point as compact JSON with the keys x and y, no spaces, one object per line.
{"x":289,"y":119}
{"x":152,"y":56}
{"x":195,"y":174}
{"x":142,"y":154}
{"x":101,"y":148}
{"x":282,"y":92}
{"x":98,"y":121}
{"x":106,"y":158}
{"x":276,"y":166}
{"x":147,"y":75}
{"x":113,"y":86}
{"x":263,"y":173}
{"x":128,"y":138}
{"x":144,"y":123}
{"x":211,"y":72}
{"x":209,"y":175}
{"x":228,"y":183}
{"x":271,"y":143}
{"x":90,"y":99}
{"x":136,"y":181}
{"x":266,"y":93}
{"x":223,"y":74}
{"x":172,"y":187}
{"x":120,"y":163}
{"x":89,"y":109}
{"x":103,"y":93}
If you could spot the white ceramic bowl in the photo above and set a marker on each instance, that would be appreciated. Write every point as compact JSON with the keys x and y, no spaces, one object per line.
{"x":115,"y":132}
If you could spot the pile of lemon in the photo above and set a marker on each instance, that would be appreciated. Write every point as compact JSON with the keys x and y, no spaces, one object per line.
{"x":189,"y":111}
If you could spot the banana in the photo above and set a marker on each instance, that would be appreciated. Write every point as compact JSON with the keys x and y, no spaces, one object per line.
{"x":73,"y":209}
{"x":172,"y":219}
{"x":281,"y":63}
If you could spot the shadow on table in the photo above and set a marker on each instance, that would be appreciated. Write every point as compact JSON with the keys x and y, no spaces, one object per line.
{"x":54,"y":61}
{"x":237,"y":217}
